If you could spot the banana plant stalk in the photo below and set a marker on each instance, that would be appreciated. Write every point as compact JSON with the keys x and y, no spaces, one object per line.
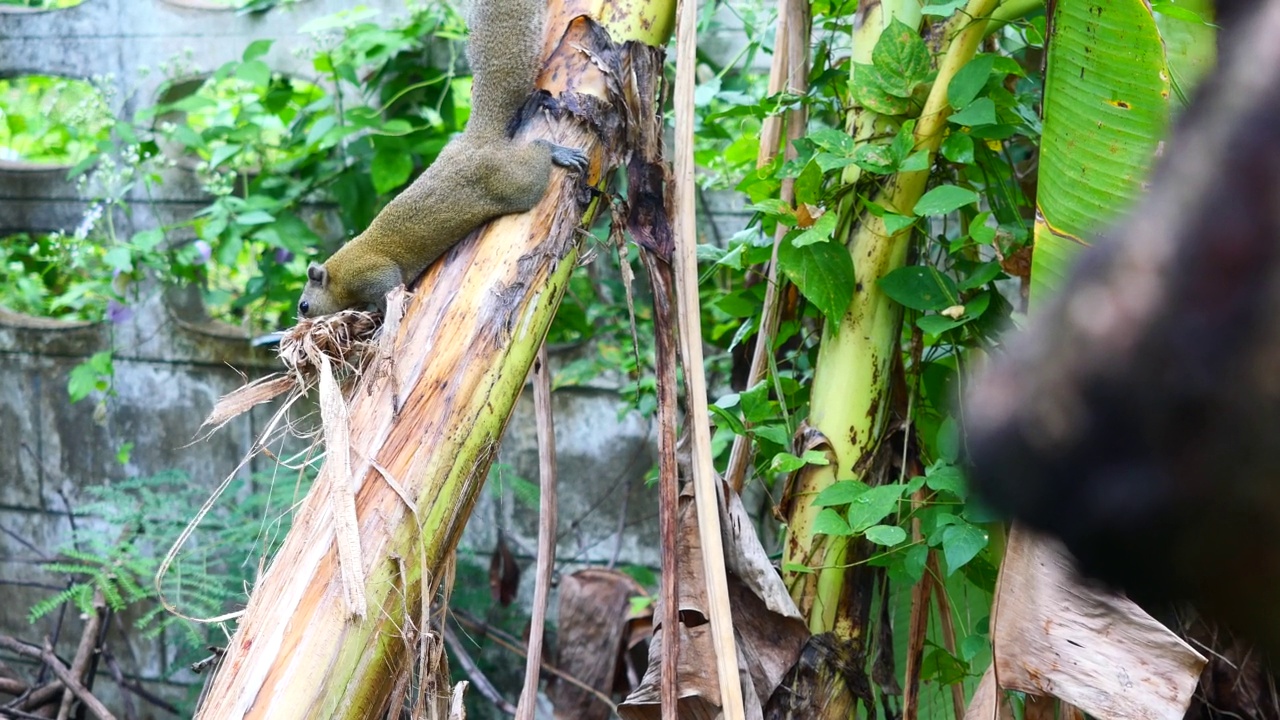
{"x":850,"y":395}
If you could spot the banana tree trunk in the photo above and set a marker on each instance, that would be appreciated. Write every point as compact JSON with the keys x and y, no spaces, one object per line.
{"x":425,"y":425}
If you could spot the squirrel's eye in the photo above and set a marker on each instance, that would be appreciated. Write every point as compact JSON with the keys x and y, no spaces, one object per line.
{"x":303,"y":307}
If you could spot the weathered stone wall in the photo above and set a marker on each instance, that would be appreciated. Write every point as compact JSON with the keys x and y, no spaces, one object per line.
{"x":170,"y":363}
{"x":167,"y":376}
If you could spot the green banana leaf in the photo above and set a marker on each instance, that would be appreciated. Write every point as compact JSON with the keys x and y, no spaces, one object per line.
{"x":1107,"y":102}
{"x":1190,"y":42}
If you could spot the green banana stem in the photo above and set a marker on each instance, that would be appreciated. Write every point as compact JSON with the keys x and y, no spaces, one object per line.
{"x":851,"y":381}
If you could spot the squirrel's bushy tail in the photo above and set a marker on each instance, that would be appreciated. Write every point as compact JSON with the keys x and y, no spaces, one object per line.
{"x":505,"y":52}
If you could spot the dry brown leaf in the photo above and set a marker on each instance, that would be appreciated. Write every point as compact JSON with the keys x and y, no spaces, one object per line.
{"x":504,"y":573}
{"x":746,"y":558}
{"x":593,"y":627}
{"x":1070,"y":712}
{"x":829,"y":670}
{"x":699,"y":689}
{"x":768,"y":639}
{"x":1055,"y":636}
{"x":1038,"y":707}
{"x":768,"y":644}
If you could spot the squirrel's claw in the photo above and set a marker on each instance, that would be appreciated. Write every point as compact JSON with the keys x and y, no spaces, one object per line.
{"x":571,"y":158}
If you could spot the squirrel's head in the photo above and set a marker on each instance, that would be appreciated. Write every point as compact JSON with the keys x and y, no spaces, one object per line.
{"x":317,"y":297}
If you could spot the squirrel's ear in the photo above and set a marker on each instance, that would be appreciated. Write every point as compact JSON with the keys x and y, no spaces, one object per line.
{"x":317,"y":274}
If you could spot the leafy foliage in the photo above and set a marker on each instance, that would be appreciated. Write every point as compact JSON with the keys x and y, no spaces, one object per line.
{"x":270,"y":150}
{"x":269,"y":146}
{"x":51,"y":120}
{"x":120,"y":577}
{"x":93,"y":375}
{"x":121,"y":534}
{"x":957,"y":289}
{"x":51,"y":274}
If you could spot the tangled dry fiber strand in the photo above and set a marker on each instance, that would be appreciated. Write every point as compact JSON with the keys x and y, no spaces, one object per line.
{"x":332,"y":352}
{"x":345,"y":340}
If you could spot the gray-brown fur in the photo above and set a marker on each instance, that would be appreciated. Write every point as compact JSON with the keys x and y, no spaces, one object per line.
{"x":482,"y":174}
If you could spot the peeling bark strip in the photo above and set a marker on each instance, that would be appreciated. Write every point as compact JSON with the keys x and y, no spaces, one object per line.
{"x":548,"y":522}
{"x":685,"y":271}
{"x":649,"y":221}
{"x":337,"y":473}
{"x":462,"y":354}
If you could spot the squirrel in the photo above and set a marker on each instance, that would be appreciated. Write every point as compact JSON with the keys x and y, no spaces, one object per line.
{"x":479,"y":175}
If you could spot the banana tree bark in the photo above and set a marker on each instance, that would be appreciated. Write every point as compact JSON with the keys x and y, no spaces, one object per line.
{"x":425,"y":425}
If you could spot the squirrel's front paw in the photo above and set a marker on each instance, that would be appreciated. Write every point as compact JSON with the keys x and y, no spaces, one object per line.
{"x":571,"y":158}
